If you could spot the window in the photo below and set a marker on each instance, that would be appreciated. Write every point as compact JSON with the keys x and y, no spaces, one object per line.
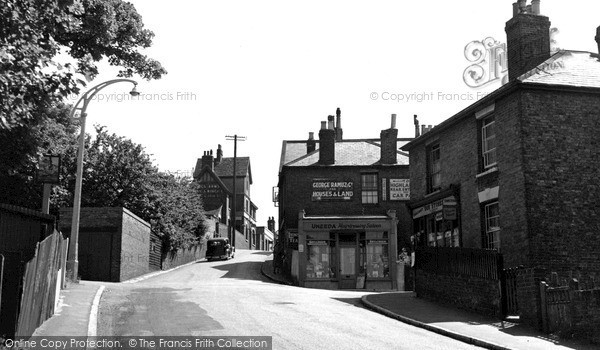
{"x":320,"y":259}
{"x":488,"y":142}
{"x":491,"y":220}
{"x":434,"y":168}
{"x":377,"y":259}
{"x":369,"y":188}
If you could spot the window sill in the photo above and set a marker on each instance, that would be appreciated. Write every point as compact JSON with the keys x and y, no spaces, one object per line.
{"x":487,"y":172}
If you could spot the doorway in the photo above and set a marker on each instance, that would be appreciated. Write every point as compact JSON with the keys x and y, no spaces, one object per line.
{"x":348,"y":260}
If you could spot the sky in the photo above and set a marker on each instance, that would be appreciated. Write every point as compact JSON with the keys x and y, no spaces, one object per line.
{"x":273,"y":70}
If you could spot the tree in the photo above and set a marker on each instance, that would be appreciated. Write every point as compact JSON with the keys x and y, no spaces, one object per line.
{"x":34,"y":32}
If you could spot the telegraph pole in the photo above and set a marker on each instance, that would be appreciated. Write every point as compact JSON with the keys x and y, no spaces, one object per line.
{"x":235,"y":139}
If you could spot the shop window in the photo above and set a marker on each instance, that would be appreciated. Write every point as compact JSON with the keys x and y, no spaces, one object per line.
{"x":434,"y":168}
{"x":491,"y":218}
{"x":377,"y":259}
{"x":369,"y":188}
{"x":488,"y":142}
{"x":320,"y":260}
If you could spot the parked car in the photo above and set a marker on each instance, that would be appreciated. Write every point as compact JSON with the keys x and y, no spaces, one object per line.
{"x":219,"y":248}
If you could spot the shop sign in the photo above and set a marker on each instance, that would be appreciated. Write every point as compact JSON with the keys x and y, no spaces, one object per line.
{"x":377,"y":241}
{"x":383,"y":189}
{"x":432,"y":207}
{"x":399,"y":189}
{"x":332,"y":190}
{"x":292,"y":240}
{"x":449,"y":208}
{"x":317,"y":243}
{"x":210,"y":190}
{"x":326,"y":226}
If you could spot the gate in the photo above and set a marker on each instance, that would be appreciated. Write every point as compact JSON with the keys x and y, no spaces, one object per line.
{"x":508,"y":282}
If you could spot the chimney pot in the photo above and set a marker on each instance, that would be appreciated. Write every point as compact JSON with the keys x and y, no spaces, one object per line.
{"x":522,"y":6}
{"x":323,"y":125}
{"x":535,"y":7}
{"x":311,"y":144}
{"x":338,"y":125}
{"x":417,"y":134}
{"x":515,"y":9}
{"x":598,"y":39}
{"x":331,"y":123}
{"x":528,"y":9}
{"x":393,"y":121}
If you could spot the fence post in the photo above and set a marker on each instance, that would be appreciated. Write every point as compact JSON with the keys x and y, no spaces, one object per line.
{"x":544,"y":306}
{"x":1,"y":276}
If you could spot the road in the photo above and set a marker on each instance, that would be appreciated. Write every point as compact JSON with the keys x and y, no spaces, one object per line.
{"x":232,"y":298}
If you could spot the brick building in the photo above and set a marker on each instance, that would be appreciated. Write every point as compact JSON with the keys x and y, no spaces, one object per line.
{"x":517,"y":171}
{"x":342,"y":209}
{"x":215,"y":177}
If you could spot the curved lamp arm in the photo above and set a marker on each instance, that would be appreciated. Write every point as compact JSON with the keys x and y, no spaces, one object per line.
{"x":89,"y":95}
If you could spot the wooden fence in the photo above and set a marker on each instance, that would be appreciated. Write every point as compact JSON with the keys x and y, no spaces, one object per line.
{"x":43,"y":277}
{"x":480,"y":263}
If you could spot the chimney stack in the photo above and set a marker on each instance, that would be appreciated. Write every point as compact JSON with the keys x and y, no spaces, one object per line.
{"x":416,"y":121}
{"x":327,"y":143}
{"x":207,"y":160}
{"x":598,"y":39}
{"x":219,"y":157}
{"x":338,"y":125}
{"x":389,"y":144}
{"x":271,"y":224}
{"x":528,"y":38}
{"x":311,"y":144}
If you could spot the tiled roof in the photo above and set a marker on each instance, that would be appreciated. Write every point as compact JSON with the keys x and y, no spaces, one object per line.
{"x":564,"y":68}
{"x":225,"y":167}
{"x":571,"y":68}
{"x":347,"y":153}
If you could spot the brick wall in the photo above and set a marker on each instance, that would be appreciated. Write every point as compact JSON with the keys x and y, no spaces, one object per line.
{"x":183,"y":256}
{"x":561,"y":135}
{"x":585,"y":314}
{"x":135,"y":244}
{"x":466,"y":292}
{"x":113,"y":236}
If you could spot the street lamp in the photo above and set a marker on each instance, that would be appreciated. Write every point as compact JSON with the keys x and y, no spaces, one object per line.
{"x":72,"y":262}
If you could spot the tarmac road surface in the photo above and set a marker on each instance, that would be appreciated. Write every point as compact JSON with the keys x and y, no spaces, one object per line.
{"x":232,"y":298}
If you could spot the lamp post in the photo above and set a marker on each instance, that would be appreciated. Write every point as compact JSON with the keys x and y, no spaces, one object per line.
{"x":85,"y":99}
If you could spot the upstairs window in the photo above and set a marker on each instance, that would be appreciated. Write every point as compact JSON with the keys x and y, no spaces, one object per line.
{"x":434,"y":168}
{"x":488,"y":142}
{"x":369,"y":188}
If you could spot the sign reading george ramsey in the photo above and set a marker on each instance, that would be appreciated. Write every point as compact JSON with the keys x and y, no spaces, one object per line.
{"x":332,"y":190}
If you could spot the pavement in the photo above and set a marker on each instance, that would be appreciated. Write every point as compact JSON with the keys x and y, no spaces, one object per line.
{"x":72,"y":316}
{"x":469,"y":327}
{"x":76,"y":308}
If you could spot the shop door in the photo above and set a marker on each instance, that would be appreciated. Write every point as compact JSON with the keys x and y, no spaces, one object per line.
{"x":347,"y":267}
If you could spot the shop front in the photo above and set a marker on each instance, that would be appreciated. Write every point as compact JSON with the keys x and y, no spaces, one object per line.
{"x":349,"y":252}
{"x":437,"y":222}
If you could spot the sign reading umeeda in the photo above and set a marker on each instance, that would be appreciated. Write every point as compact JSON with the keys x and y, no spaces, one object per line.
{"x":332,"y":190}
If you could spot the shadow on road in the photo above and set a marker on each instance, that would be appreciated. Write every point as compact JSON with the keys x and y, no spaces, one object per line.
{"x":352,"y":301}
{"x":245,"y":270}
{"x":262,"y":253}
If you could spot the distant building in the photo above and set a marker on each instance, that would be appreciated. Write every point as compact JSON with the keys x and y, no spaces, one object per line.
{"x":342,"y":208}
{"x":215,"y":177}
{"x":265,"y":236}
